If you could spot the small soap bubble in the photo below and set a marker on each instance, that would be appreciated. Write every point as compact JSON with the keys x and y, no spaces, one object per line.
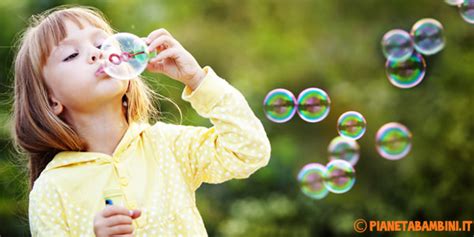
{"x":126,"y":56}
{"x":393,"y":141}
{"x":313,"y":105}
{"x":351,"y":124}
{"x":428,"y":36}
{"x":397,"y":45}
{"x":466,"y":9}
{"x":341,"y":148}
{"x":279,"y":105}
{"x":339,"y":177}
{"x":311,"y":180}
{"x":406,"y":74}
{"x":454,"y":2}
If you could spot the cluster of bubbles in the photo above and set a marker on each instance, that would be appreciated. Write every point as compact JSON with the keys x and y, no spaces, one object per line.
{"x":126,"y":56}
{"x":312,"y":105}
{"x":393,"y":140}
{"x":338,"y":176}
{"x":466,"y":9}
{"x":405,"y":65}
{"x":405,"y":68}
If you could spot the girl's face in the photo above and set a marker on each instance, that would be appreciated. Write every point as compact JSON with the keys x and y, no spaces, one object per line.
{"x":73,"y":72}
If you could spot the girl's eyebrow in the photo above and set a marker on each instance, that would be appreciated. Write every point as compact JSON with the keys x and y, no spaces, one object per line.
{"x":94,"y":34}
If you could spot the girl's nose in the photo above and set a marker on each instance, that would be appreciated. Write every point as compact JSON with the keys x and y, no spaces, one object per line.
{"x":95,"y":55}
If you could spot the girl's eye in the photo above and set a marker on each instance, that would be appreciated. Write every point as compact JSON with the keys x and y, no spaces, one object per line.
{"x":100,"y":46}
{"x":72,"y":56}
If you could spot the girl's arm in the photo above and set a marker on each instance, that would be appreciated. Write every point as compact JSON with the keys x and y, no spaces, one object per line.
{"x":46,"y":212}
{"x":235,"y":147}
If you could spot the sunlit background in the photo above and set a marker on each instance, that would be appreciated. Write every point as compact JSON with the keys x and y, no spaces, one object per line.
{"x":333,"y":45}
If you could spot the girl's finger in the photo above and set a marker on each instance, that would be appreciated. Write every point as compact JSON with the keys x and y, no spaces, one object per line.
{"x":121,"y":230}
{"x":119,"y":220}
{"x":115,"y":210}
{"x":156,"y":67}
{"x":162,"y":40}
{"x":172,"y":53}
{"x":157,"y":33}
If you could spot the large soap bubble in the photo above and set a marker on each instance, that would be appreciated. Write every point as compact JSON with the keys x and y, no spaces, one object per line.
{"x":126,"y":56}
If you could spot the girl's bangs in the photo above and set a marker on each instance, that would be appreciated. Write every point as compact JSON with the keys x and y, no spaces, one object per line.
{"x":52,"y":30}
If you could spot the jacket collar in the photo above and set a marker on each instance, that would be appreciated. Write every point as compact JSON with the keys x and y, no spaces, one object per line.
{"x":66,"y":158}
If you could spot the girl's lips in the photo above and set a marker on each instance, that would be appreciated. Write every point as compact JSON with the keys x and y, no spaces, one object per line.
{"x":99,"y":71}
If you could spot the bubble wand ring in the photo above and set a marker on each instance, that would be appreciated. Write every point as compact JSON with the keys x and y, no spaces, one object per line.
{"x":117,"y":59}
{"x":126,"y":55}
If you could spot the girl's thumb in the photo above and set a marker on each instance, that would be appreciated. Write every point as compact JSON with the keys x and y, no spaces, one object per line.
{"x":134,"y":214}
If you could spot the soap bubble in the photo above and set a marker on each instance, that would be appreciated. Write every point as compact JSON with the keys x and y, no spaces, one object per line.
{"x":126,"y":56}
{"x":454,"y":2}
{"x":428,"y":36}
{"x":408,"y":73}
{"x":466,"y":9}
{"x":393,"y":141}
{"x":311,"y":182}
{"x":341,"y":148}
{"x":313,"y":105}
{"x":397,"y":45}
{"x":279,"y":105}
{"x":351,"y":124}
{"x":339,"y":177}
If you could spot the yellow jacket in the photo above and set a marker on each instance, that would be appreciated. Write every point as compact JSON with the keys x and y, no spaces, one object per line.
{"x":155,"y":168}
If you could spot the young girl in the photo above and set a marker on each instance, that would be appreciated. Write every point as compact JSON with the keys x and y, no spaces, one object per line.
{"x":88,"y":139}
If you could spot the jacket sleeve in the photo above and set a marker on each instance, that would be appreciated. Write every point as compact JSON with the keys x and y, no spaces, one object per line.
{"x":234,"y":147}
{"x":45,"y":211}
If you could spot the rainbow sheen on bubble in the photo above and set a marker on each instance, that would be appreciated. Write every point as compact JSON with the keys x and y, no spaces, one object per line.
{"x":311,"y":180}
{"x":339,"y":176}
{"x":393,"y":141}
{"x":428,"y":36}
{"x":351,"y":124}
{"x":406,"y":74}
{"x":397,"y":45}
{"x":126,"y":56}
{"x":466,"y":9}
{"x":279,"y":105}
{"x":342,"y":148}
{"x":313,"y":105}
{"x":454,"y":2}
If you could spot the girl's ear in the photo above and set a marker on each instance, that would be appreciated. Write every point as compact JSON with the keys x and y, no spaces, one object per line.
{"x":56,"y":106}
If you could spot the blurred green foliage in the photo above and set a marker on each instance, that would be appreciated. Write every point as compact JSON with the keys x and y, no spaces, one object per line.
{"x":334,"y":45}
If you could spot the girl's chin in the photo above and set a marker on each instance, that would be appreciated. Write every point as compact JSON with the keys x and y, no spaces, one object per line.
{"x":113,"y":88}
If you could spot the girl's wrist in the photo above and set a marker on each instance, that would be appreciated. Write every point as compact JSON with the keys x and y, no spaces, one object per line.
{"x":197,"y":79}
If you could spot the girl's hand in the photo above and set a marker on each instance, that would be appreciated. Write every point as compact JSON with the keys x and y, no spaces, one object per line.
{"x":115,"y":220}
{"x":173,"y":60}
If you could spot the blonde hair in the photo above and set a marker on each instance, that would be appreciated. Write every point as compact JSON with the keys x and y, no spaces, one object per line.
{"x":37,"y":131}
